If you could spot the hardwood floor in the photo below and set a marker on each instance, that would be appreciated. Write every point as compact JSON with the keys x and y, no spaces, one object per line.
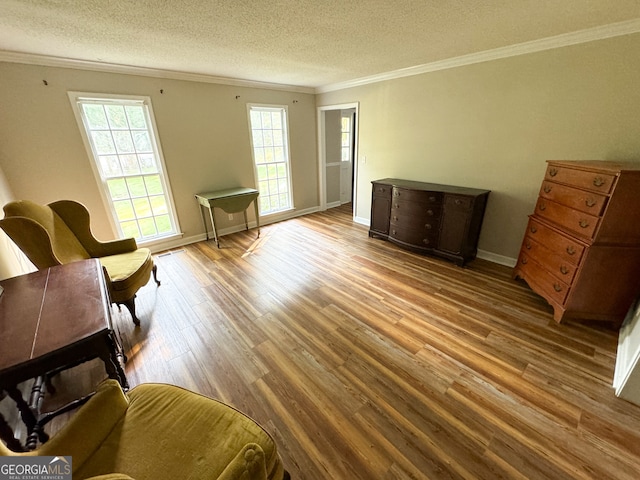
{"x":365,"y":361}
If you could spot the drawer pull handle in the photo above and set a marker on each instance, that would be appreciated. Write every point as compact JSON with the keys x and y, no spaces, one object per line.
{"x":542,"y":207}
{"x":598,"y":181}
{"x":547,"y":189}
{"x":533,"y":229}
{"x":590,"y":202}
{"x":426,"y":241}
{"x":393,"y":231}
{"x":396,"y":194}
{"x":563,"y":269}
{"x":432,"y":199}
{"x":397,"y":205}
{"x":583,"y":223}
{"x":427,"y":226}
{"x":524,"y":261}
{"x":527,"y":246}
{"x":553,"y":172}
{"x":557,"y":287}
{"x":571,"y":250}
{"x":395,"y":218}
{"x":458,"y":201}
{"x":430,"y":212}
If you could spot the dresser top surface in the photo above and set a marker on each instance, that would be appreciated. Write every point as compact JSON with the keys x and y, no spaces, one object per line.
{"x":598,"y":165}
{"x":430,"y":187}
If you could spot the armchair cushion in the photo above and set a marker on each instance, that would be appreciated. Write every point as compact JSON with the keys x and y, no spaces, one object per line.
{"x":127,"y":272}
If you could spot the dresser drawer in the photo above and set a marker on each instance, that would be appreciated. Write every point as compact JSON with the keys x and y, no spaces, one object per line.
{"x":588,"y":202}
{"x":565,"y":247}
{"x":580,"y":223}
{"x":549,"y":260}
{"x":417,"y":212}
{"x":414,"y":236}
{"x":417,"y":197}
{"x":597,"y":182}
{"x":537,"y":276}
{"x":424,"y":221}
{"x":380,"y":189}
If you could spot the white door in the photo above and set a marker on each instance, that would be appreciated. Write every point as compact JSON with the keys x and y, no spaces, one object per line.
{"x":347,"y":121}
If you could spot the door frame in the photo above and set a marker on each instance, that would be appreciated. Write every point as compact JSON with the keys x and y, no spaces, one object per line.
{"x":322,"y":153}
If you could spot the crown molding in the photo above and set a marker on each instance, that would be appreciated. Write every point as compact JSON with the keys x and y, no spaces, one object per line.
{"x":549,"y":43}
{"x":60,"y":62}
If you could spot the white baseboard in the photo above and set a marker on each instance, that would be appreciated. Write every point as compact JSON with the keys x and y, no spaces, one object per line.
{"x":495,"y":258}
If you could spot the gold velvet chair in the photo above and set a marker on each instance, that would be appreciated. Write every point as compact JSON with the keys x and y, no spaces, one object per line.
{"x":159,"y":432}
{"x":60,"y":233}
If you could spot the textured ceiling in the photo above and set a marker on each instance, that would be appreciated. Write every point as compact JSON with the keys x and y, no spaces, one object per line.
{"x":296,"y":42}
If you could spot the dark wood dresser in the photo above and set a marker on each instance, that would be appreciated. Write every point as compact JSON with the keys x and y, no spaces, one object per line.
{"x":581,"y":249}
{"x":428,"y":218}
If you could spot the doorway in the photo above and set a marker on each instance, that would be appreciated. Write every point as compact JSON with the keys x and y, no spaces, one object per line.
{"x":338,"y":145}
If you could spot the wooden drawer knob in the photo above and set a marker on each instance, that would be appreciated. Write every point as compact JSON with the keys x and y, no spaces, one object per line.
{"x":583,"y":223}
{"x":432,"y":199}
{"x":533,"y":229}
{"x":590,"y":202}
{"x":557,"y":287}
{"x":571,"y":250}
{"x":527,"y":246}
{"x":553,"y":172}
{"x":563,"y":269}
{"x":428,"y":226}
{"x":547,"y":189}
{"x":426,"y":241}
{"x":598,"y":181}
{"x":430,"y":212}
{"x":542,"y":206}
{"x":524,"y":261}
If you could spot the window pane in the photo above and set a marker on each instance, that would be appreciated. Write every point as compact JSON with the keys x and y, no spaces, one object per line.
{"x":136,"y":187}
{"x":163,"y":222}
{"x":95,"y":116}
{"x":110,"y":165}
{"x":116,"y":116}
{"x":158,"y":205}
{"x":129,"y":164}
{"x":130,"y":229}
{"x":136,"y":118}
{"x":148,"y":227}
{"x":103,"y":142}
{"x":154,"y":184}
{"x":142,"y":207}
{"x":142,"y":142}
{"x":147,"y":163}
{"x":124,"y":210}
{"x":123,"y":141}
{"x":118,"y":189}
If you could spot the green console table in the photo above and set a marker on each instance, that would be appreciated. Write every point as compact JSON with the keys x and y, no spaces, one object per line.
{"x":232,"y":200}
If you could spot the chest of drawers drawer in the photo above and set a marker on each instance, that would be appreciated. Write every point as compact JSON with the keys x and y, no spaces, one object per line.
{"x":580,"y":223}
{"x":588,"y":202}
{"x":549,"y":260}
{"x":594,"y":181}
{"x":555,"y":289}
{"x":414,"y":236}
{"x":567,"y":248}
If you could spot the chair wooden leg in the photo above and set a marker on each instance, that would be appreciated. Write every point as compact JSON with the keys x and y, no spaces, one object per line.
{"x":131,"y":306}
{"x":155,"y":275}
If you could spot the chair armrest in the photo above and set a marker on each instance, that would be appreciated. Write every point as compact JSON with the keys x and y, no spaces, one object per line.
{"x":248,"y":464}
{"x":77,"y":218}
{"x":32,"y":239}
{"x":87,"y":429}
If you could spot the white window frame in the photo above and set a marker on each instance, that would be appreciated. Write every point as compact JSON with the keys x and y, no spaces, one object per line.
{"x":272,"y":107}
{"x":75,"y":98}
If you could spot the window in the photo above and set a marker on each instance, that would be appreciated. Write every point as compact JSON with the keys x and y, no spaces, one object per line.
{"x":269,"y":143}
{"x":121,"y":137}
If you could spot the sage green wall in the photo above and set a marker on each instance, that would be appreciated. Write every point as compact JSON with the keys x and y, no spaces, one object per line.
{"x":203,"y":132}
{"x":492,"y":125}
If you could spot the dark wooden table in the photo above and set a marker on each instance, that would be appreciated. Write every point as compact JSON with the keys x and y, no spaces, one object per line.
{"x":51,"y":320}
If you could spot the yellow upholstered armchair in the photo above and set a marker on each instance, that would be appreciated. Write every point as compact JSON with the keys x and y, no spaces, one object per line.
{"x":158,"y":432}
{"x":60,"y":233}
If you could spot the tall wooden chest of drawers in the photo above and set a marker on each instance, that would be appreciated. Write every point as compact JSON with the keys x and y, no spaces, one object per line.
{"x":441,"y":220}
{"x":581,"y":250}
